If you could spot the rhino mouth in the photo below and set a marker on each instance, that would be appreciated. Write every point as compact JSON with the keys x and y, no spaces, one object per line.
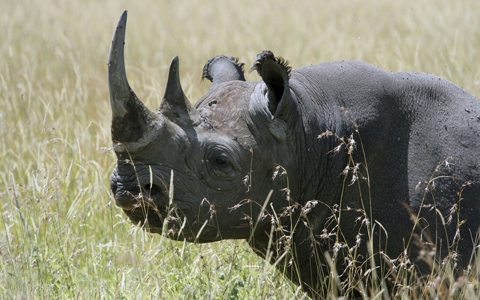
{"x":148,"y":196}
{"x":146,"y":206}
{"x":142,"y":196}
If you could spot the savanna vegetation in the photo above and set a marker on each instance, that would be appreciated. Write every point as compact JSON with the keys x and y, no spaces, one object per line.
{"x":61,"y":235}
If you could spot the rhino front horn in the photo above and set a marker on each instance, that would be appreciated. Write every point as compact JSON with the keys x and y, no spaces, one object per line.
{"x":132,"y":121}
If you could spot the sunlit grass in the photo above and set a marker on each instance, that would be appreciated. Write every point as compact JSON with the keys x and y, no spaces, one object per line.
{"x":61,"y":236}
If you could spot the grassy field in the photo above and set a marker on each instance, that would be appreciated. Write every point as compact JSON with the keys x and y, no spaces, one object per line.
{"x":61,"y":236}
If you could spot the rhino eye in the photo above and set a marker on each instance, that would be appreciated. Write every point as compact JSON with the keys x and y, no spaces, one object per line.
{"x":220,"y":164}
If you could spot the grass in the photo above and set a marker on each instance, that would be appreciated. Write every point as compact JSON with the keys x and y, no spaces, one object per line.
{"x":61,"y":236}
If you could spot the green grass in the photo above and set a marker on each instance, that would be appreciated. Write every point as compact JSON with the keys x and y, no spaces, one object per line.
{"x":61,"y":236}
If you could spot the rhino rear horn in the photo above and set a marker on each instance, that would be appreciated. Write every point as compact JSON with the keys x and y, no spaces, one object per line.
{"x":275,"y":72}
{"x":175,"y":104}
{"x":132,"y":121}
{"x":223,"y":68}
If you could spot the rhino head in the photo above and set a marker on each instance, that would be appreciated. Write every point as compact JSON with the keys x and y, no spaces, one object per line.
{"x":197,"y":172}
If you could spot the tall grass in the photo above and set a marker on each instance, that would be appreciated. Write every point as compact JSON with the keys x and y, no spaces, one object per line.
{"x":61,"y":236}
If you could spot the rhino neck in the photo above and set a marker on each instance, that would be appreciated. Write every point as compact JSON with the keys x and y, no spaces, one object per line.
{"x":316,"y":165}
{"x":312,"y":168}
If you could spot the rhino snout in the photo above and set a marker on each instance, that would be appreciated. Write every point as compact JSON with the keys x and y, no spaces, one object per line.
{"x":131,"y":192}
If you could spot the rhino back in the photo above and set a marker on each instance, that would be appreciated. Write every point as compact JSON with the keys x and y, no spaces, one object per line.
{"x":419,"y":135}
{"x":443,"y":150}
{"x":341,"y":96}
{"x":412,"y":120}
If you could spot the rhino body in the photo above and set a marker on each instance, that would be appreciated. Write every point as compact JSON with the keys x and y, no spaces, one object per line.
{"x":303,"y":163}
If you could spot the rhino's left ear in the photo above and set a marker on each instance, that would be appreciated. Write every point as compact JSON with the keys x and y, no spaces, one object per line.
{"x":223,"y":68}
{"x":275,"y":72}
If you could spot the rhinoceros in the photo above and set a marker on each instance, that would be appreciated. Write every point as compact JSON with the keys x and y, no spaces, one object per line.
{"x":314,"y":166}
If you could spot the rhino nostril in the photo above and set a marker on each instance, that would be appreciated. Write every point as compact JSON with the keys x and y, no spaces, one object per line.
{"x":113,"y":187}
{"x":148,"y":187}
{"x":152,"y":190}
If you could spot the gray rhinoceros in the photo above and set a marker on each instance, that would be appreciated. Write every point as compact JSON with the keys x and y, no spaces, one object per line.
{"x":307,"y":165}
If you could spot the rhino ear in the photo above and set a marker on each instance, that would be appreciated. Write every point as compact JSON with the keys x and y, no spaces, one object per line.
{"x":175,"y":104}
{"x":275,"y":72}
{"x":223,"y":68}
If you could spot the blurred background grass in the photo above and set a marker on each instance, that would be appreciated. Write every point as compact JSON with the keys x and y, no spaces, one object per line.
{"x":61,"y":236}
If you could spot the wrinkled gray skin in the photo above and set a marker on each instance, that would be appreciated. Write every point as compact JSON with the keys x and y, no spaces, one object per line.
{"x":416,"y":139}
